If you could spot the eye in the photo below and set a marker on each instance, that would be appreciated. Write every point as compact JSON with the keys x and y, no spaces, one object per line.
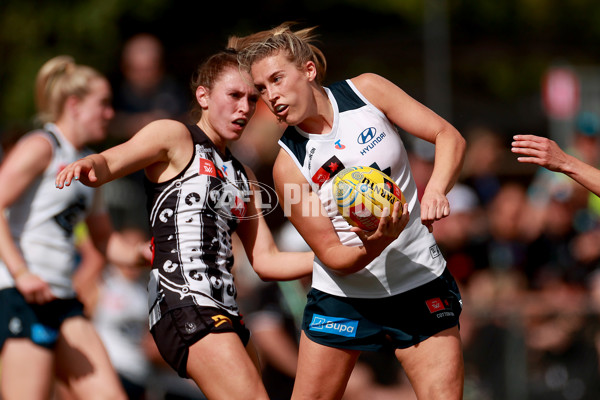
{"x":261,"y":88}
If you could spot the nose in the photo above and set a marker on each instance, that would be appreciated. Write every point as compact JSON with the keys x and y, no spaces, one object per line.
{"x":271,"y":95}
{"x":247,"y":106}
{"x":109,"y":112}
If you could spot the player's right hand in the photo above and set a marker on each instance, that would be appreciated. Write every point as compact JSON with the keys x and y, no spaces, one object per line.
{"x":82,"y":170}
{"x":34,"y":289}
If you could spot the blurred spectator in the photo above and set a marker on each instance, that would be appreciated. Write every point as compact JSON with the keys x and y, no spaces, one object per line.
{"x":494,"y":353}
{"x":508,"y":228}
{"x":483,"y":162}
{"x":459,"y":234}
{"x":551,"y":255}
{"x":120,"y":315}
{"x":563,"y":360}
{"x":146,"y":92}
{"x":116,"y":299}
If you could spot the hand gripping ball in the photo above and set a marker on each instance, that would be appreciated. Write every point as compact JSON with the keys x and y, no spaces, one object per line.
{"x":361,"y":194}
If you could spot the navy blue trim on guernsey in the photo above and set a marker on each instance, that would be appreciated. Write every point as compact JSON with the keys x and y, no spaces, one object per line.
{"x":346,"y":98}
{"x":53,"y":136}
{"x":295,"y":142}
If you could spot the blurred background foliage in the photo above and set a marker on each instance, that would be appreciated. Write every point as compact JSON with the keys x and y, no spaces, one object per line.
{"x":498,"y":50}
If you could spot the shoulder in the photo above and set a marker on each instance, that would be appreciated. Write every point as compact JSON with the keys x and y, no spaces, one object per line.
{"x":31,"y":154}
{"x":167,"y":127}
{"x":286,"y":170}
{"x":37,"y":145}
{"x":164,"y":134}
{"x":369,"y":82}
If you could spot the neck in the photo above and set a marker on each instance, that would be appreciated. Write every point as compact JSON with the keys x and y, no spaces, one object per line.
{"x":320,"y":119}
{"x":68,"y":131}
{"x":214,"y":137}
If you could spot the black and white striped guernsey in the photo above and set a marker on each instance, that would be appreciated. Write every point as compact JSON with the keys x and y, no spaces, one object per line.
{"x":192,"y":218}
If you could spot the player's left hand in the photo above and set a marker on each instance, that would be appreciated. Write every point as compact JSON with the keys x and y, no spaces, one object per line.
{"x":434,"y":206}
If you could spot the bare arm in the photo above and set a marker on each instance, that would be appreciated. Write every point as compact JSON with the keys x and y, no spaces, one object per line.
{"x":420,"y":121}
{"x":162,"y":148}
{"x":546,"y":153}
{"x":263,"y":254}
{"x":22,"y":166}
{"x":112,"y":244}
{"x":309,"y":218}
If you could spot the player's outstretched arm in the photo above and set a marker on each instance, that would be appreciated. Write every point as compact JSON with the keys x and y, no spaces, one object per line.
{"x":546,"y":153}
{"x":157,"y":146}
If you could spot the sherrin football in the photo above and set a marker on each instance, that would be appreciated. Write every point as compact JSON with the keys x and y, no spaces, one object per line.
{"x":361,"y":194}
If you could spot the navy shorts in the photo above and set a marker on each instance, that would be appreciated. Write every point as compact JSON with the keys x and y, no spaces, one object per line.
{"x":381,"y":324}
{"x":180,"y":328}
{"x":38,"y":322}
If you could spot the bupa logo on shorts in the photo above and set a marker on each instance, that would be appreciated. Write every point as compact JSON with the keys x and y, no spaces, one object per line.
{"x":42,"y":334}
{"x":366,"y":136}
{"x":336,"y":326}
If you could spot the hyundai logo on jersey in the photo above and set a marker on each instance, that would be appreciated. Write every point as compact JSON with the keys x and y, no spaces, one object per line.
{"x":367,"y":135}
{"x":334,"y":325}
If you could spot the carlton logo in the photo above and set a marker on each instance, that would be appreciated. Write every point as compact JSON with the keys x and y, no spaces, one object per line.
{"x":336,"y":326}
{"x":366,"y":136}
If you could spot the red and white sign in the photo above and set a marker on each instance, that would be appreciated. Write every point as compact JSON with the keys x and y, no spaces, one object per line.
{"x":561,"y":93}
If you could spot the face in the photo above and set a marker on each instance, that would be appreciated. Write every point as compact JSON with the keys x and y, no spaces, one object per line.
{"x":95,"y":111}
{"x":285,"y":88}
{"x":228,"y":106}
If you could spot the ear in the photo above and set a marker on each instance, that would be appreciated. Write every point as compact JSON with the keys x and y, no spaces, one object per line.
{"x":202,"y":97}
{"x":71,"y":104}
{"x":310,"y":69}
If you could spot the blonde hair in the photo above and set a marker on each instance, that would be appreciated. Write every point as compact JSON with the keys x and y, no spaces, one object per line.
{"x":59,"y":78}
{"x":298,"y":46}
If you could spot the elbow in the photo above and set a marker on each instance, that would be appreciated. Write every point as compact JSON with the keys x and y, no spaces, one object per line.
{"x":343,"y":268}
{"x":265,"y":274}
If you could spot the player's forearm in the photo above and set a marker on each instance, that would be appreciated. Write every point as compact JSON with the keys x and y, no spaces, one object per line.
{"x":284,"y":266}
{"x":583,"y":173}
{"x":449,"y":155}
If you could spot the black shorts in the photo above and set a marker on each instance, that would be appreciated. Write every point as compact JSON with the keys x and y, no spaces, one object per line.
{"x":387,"y":323}
{"x":38,"y":322}
{"x":180,"y":328}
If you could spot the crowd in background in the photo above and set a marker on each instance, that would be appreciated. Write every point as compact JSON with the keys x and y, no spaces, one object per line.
{"x":522,"y":243}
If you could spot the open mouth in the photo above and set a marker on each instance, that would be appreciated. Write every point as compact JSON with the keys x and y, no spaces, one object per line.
{"x":241,"y":122}
{"x":280,"y":108}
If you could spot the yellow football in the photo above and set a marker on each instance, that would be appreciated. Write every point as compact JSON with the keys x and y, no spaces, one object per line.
{"x":361,"y":194}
